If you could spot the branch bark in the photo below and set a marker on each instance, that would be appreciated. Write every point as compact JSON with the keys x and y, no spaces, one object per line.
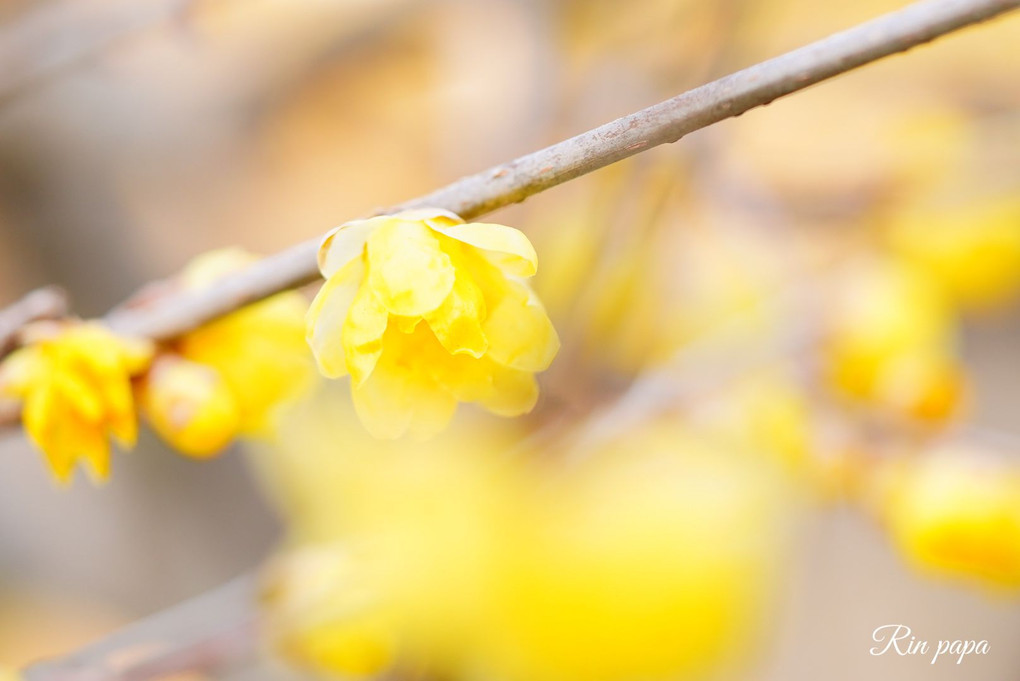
{"x":49,"y":302}
{"x":663,"y":123}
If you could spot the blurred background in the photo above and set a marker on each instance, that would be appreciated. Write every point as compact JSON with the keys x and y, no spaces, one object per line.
{"x":135,"y":134}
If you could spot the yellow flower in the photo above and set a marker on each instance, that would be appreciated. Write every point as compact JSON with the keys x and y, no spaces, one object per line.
{"x":973,"y":252}
{"x":190,"y":406}
{"x":891,"y":341}
{"x":321,"y":616}
{"x":259,"y":350}
{"x":484,"y":335}
{"x":959,"y":517}
{"x":76,"y":388}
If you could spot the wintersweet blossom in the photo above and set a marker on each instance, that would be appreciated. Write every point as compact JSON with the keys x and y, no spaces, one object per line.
{"x":190,"y":406}
{"x":75,"y":385}
{"x":959,"y":516}
{"x":424,"y":311}
{"x":259,"y":350}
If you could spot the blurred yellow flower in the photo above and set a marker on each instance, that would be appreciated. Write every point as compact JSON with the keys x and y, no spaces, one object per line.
{"x":322,"y":617}
{"x":765,"y":413}
{"x":485,"y":332}
{"x":651,"y":561}
{"x":189,"y":405}
{"x":486,"y":567}
{"x":972,"y":251}
{"x":891,"y":341}
{"x":259,"y":350}
{"x":7,"y":674}
{"x":75,"y":382}
{"x":958,"y":516}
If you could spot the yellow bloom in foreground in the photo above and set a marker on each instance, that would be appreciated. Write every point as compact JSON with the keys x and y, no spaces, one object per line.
{"x":650,"y":564}
{"x":259,"y":350}
{"x":322,"y":618}
{"x":76,"y":389}
{"x":958,"y":517}
{"x":424,"y":311}
{"x":9,"y":674}
{"x":190,"y":405}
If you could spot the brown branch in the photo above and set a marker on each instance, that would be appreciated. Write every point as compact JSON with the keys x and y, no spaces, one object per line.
{"x":205,"y":634}
{"x":662,"y":123}
{"x":49,"y":302}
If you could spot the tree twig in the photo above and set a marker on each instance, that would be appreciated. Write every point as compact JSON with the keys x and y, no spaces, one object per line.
{"x":49,"y":302}
{"x":663,"y":123}
{"x":203,"y":634}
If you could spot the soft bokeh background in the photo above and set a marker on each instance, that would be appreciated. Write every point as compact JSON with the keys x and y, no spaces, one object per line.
{"x":263,"y":122}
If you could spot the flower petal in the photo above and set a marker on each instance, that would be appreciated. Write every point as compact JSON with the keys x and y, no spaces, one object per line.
{"x":326,"y":317}
{"x":363,"y":331}
{"x":394,"y":401}
{"x":519,"y":331}
{"x":505,"y":247}
{"x":343,"y":244}
{"x":407,"y":269}
{"x":457,"y":323}
{"x":513,"y":392}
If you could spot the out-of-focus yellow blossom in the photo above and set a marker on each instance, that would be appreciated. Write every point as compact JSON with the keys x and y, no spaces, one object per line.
{"x":972,"y":251}
{"x":323,"y":617}
{"x":486,"y":567}
{"x":424,"y":311}
{"x":891,"y":339}
{"x":189,"y":405}
{"x":660,"y":540}
{"x":259,"y":350}
{"x":75,"y":383}
{"x":7,"y":674}
{"x":766,"y":413}
{"x":957,"y":516}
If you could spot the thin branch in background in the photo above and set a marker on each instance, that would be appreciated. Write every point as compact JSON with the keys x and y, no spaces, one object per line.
{"x":49,"y":302}
{"x":204,"y":634}
{"x":663,"y":123}
{"x":56,"y":37}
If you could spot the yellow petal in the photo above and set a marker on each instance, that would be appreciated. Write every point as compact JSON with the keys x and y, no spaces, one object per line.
{"x":343,"y":244}
{"x":457,"y":322}
{"x":326,"y":316}
{"x":38,"y":419}
{"x":80,"y":393}
{"x":394,"y":400}
{"x":19,"y":370}
{"x":504,"y":246}
{"x":513,"y":392}
{"x":407,"y":268}
{"x":405,"y":324}
{"x":362,"y":334}
{"x":519,"y":331}
{"x":93,"y":447}
{"x":190,"y":406}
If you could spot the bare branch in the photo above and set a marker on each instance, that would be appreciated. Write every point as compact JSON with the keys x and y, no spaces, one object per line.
{"x":49,"y":302}
{"x":662,"y":123}
{"x":203,"y":634}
